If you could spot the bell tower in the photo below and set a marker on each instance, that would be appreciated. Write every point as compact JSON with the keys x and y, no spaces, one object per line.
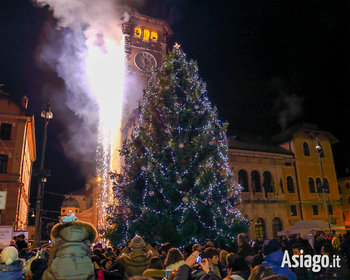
{"x":145,"y":47}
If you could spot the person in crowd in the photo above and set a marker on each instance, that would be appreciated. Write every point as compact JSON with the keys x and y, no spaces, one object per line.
{"x":212,"y":255}
{"x":222,"y":263}
{"x":255,"y":260}
{"x":11,"y":267}
{"x":136,"y":257}
{"x":39,"y":265}
{"x":237,"y":268}
{"x":273,"y":256}
{"x":301,"y":272}
{"x":210,"y":244}
{"x":345,"y":248}
{"x":163,"y":251}
{"x":333,"y":272}
{"x":70,"y":253}
{"x":319,"y":241}
{"x":20,"y":242}
{"x":155,"y":269}
{"x":244,"y":248}
{"x":335,"y":240}
{"x":174,"y":259}
{"x":197,"y":247}
{"x":259,"y":272}
{"x":184,"y":271}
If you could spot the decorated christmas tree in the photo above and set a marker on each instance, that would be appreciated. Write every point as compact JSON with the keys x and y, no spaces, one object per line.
{"x":176,"y":185}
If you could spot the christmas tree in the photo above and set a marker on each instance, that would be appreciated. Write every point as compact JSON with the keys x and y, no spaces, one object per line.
{"x":176,"y":185}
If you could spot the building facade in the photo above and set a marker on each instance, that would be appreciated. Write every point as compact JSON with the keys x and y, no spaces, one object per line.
{"x":17,"y":154}
{"x":282,"y":181}
{"x":344,"y":191}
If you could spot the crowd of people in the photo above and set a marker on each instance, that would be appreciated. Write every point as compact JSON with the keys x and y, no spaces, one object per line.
{"x":66,"y":258}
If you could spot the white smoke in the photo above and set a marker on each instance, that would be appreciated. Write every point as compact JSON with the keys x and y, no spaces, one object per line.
{"x":80,"y":23}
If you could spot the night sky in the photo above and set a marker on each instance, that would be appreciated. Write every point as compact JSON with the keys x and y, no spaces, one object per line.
{"x":262,"y":60}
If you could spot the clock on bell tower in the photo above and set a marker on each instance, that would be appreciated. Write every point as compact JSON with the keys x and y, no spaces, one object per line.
{"x":145,"y":41}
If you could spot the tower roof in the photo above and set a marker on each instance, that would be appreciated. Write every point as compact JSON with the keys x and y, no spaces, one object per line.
{"x":70,"y":202}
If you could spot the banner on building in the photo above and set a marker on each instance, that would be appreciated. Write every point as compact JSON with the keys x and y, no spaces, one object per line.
{"x":5,"y":236}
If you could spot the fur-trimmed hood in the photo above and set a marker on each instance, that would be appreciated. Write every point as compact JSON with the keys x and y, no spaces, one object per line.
{"x":74,"y":231}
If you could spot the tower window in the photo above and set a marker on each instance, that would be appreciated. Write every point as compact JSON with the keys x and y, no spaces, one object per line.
{"x":290,"y":184}
{"x":5,"y":131}
{"x":293,"y":210}
{"x":315,"y":210}
{"x":3,"y":163}
{"x":306,"y":149}
{"x":146,"y":34}
{"x":311,"y":185}
{"x":137,"y":32}
{"x":330,"y":210}
{"x":154,"y":36}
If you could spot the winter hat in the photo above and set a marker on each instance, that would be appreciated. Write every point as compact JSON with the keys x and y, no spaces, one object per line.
{"x":9,"y":255}
{"x":137,"y":242}
{"x":270,"y":246}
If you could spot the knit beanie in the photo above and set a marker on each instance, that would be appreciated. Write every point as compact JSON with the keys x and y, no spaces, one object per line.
{"x":270,"y":246}
{"x":137,"y":242}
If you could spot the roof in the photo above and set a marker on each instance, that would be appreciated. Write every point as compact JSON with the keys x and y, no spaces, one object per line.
{"x":70,"y":202}
{"x":288,"y":134}
{"x":254,"y":143}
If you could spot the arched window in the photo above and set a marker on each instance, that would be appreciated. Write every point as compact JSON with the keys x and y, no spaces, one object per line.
{"x":276,"y":226}
{"x":311,"y":185}
{"x":319,"y":185}
{"x":260,"y":229}
{"x":255,"y":179}
{"x":243,"y":180}
{"x":290,"y":184}
{"x":267,"y":181}
{"x":326,"y":185}
{"x":306,"y":149}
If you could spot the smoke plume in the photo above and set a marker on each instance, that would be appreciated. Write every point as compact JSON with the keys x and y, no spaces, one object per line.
{"x":79,"y":23}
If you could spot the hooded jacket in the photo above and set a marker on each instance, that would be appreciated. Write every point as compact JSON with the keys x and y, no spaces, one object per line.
{"x":274,"y":261}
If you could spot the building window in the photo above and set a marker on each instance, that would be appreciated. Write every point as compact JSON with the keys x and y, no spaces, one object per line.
{"x":290,"y":184}
{"x":146,"y":34}
{"x":137,"y":32}
{"x":319,"y":185}
{"x":315,"y":210}
{"x":330,"y":210}
{"x":347,"y":185}
{"x":267,"y":181}
{"x":154,"y":36}
{"x":326,"y":185}
{"x":5,"y":131}
{"x":260,"y":229}
{"x":243,"y":180}
{"x":311,"y":185}
{"x":3,"y":163}
{"x":64,"y":211}
{"x":255,"y":179}
{"x":293,"y":210}
{"x":276,"y":226}
{"x":306,"y":149}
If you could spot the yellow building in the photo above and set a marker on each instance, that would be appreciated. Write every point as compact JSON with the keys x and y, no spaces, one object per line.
{"x":282,"y":181}
{"x":17,"y":154}
{"x":344,"y":190}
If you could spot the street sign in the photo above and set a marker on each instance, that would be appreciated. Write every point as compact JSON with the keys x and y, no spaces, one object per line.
{"x":3,"y":196}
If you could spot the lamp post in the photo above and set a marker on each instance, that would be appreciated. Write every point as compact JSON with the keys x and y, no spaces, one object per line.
{"x":319,"y":150}
{"x":46,"y":115}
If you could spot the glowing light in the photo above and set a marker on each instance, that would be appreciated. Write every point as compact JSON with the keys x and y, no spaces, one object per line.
{"x":105,"y":70}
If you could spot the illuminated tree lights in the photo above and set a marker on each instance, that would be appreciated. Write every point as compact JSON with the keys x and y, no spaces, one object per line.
{"x":176,"y":185}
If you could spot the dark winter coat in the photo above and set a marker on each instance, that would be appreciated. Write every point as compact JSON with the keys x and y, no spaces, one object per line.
{"x":14,"y":271}
{"x":245,"y":250}
{"x":274,"y":261}
{"x":184,"y":273}
{"x":136,"y":262}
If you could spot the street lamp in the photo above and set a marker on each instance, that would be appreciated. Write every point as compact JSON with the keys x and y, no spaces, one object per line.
{"x":46,"y":115}
{"x":319,"y":150}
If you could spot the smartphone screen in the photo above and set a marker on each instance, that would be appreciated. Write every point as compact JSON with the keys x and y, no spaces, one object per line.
{"x":199,"y":259}
{"x":167,"y":273}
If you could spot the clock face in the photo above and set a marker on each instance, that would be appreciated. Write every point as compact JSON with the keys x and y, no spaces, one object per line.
{"x":145,"y":61}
